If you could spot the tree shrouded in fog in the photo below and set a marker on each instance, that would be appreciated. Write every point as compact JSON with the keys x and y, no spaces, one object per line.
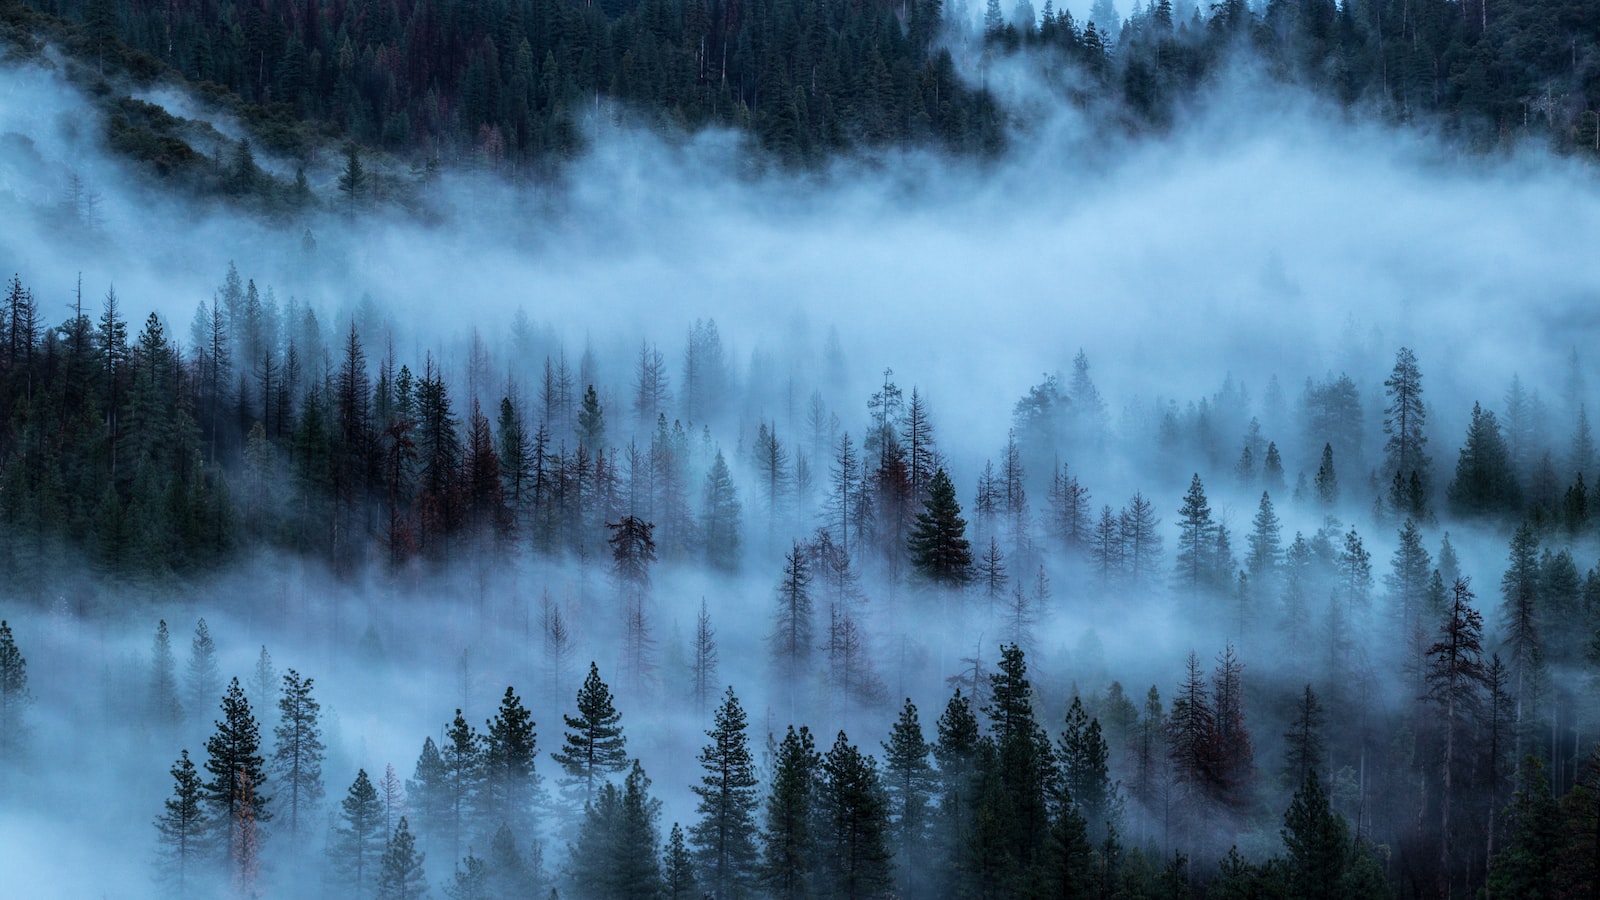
{"x":14,"y":695}
{"x":238,"y":776}
{"x":940,"y":551}
{"x":297,"y":756}
{"x":725,"y":836}
{"x":593,"y":747}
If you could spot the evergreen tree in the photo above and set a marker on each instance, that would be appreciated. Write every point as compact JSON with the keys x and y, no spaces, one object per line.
{"x":1272,"y":469}
{"x":677,"y":868}
{"x":1304,"y":739}
{"x":1519,"y":612}
{"x":1265,"y":547}
{"x":182,"y":829}
{"x":14,"y":696}
{"x":1024,"y":766}
{"x":203,"y":680}
{"x":357,"y":844}
{"x":1318,"y":842}
{"x":724,"y":838}
{"x":1196,"y":536}
{"x":1455,"y":677}
{"x":1403,"y":421}
{"x":853,"y":821}
{"x":793,"y":626}
{"x":593,"y":745}
{"x":353,"y":177}
{"x":509,"y":780}
{"x":1327,"y":480}
{"x":909,"y":785}
{"x":788,"y":858}
{"x":1485,"y":481}
{"x":1084,"y":758}
{"x":591,"y":422}
{"x":400,"y":875}
{"x":704,"y":666}
{"x":939,"y":548}
{"x":719,"y":521}
{"x":233,"y":758}
{"x":471,"y":881}
{"x":429,"y":790}
{"x":165,"y":707}
{"x":1527,"y":865}
{"x":461,"y":768}
{"x":297,"y":758}
{"x":616,"y":851}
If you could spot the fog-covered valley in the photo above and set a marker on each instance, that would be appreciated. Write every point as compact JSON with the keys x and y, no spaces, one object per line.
{"x":359,"y":441}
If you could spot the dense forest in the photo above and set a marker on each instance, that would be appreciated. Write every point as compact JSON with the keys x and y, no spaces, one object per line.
{"x":1432,"y":733}
{"x":518,"y":83}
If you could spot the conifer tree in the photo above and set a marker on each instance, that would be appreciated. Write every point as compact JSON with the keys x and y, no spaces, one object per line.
{"x":909,"y":783}
{"x":203,"y":680}
{"x":1085,"y":773}
{"x":939,"y":548}
{"x":510,"y":745}
{"x":793,"y":626}
{"x":1527,"y":865}
{"x":297,"y":758}
{"x":1455,"y":680}
{"x":165,"y":707}
{"x":183,"y":828}
{"x":788,"y":859}
{"x":1485,"y":480}
{"x":853,"y":823}
{"x":1303,"y":740}
{"x":1403,"y":421}
{"x":1196,"y":536}
{"x":14,"y":696}
{"x":233,"y":758}
{"x":400,"y":873}
{"x":703,"y":668}
{"x":1026,"y":765}
{"x":358,"y":836}
{"x":429,"y":790}
{"x":719,"y":520}
{"x":471,"y":880}
{"x":1327,"y":480}
{"x":1318,"y":842}
{"x":724,"y":838}
{"x":677,"y":868}
{"x":1265,"y":547}
{"x":1272,"y":469}
{"x":461,"y":766}
{"x":593,"y":745}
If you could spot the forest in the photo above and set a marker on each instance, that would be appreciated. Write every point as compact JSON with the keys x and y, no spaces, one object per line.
{"x":1432,"y":734}
{"x":724,"y":449}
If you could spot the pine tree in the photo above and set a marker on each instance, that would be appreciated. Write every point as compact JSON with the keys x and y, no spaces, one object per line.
{"x":400,"y":875}
{"x":297,"y":758}
{"x":1304,"y":739}
{"x":1327,"y":481}
{"x":939,"y":548}
{"x":593,"y":745}
{"x":203,"y":681}
{"x":591,"y":422}
{"x":1455,"y":679}
{"x":1140,"y":545}
{"x":788,"y":859}
{"x":1519,"y":612}
{"x":1403,"y":421}
{"x":956,"y":751}
{"x":461,"y":766}
{"x":165,"y":707}
{"x":1084,"y":759}
{"x":358,"y":837}
{"x":1272,"y":469}
{"x":1196,"y":536}
{"x":704,"y":666}
{"x":1318,"y":842}
{"x":1485,"y":481}
{"x":233,"y":758}
{"x":909,"y":784}
{"x":1026,"y":764}
{"x":429,"y":790}
{"x":724,"y":838}
{"x":991,"y":571}
{"x":353,"y":178}
{"x":793,"y":626}
{"x":510,"y":745}
{"x":677,"y":868}
{"x":1266,"y":548}
{"x":471,"y":881}
{"x":719,"y":521}
{"x":14,"y":696}
{"x":1527,"y":866}
{"x":182,"y":828}
{"x":853,"y":822}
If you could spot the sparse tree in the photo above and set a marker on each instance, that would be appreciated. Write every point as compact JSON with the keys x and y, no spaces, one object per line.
{"x":297,"y":757}
{"x":593,"y":746}
{"x":182,"y":828}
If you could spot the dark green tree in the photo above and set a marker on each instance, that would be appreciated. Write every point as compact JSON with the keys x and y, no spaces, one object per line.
{"x":510,"y":783}
{"x":461,"y":766}
{"x":14,"y":696}
{"x":1303,"y":741}
{"x":297,"y":758}
{"x":789,"y":843}
{"x":1527,"y":865}
{"x":594,"y":745}
{"x":909,"y":784}
{"x":853,"y":823}
{"x":677,"y":868}
{"x":1196,"y":537}
{"x":1318,"y":843}
{"x":1403,"y":421}
{"x":939,"y":548}
{"x":182,"y":829}
{"x":400,"y":875}
{"x":1485,"y":482}
{"x":356,"y":848}
{"x":234,"y":761}
{"x":725,"y":837}
{"x":353,"y":177}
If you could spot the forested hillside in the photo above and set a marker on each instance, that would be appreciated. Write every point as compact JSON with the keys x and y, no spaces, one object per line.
{"x":1430,"y":733}
{"x":516,"y":83}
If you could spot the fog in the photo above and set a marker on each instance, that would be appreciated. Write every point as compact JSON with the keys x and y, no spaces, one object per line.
{"x":1267,"y":237}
